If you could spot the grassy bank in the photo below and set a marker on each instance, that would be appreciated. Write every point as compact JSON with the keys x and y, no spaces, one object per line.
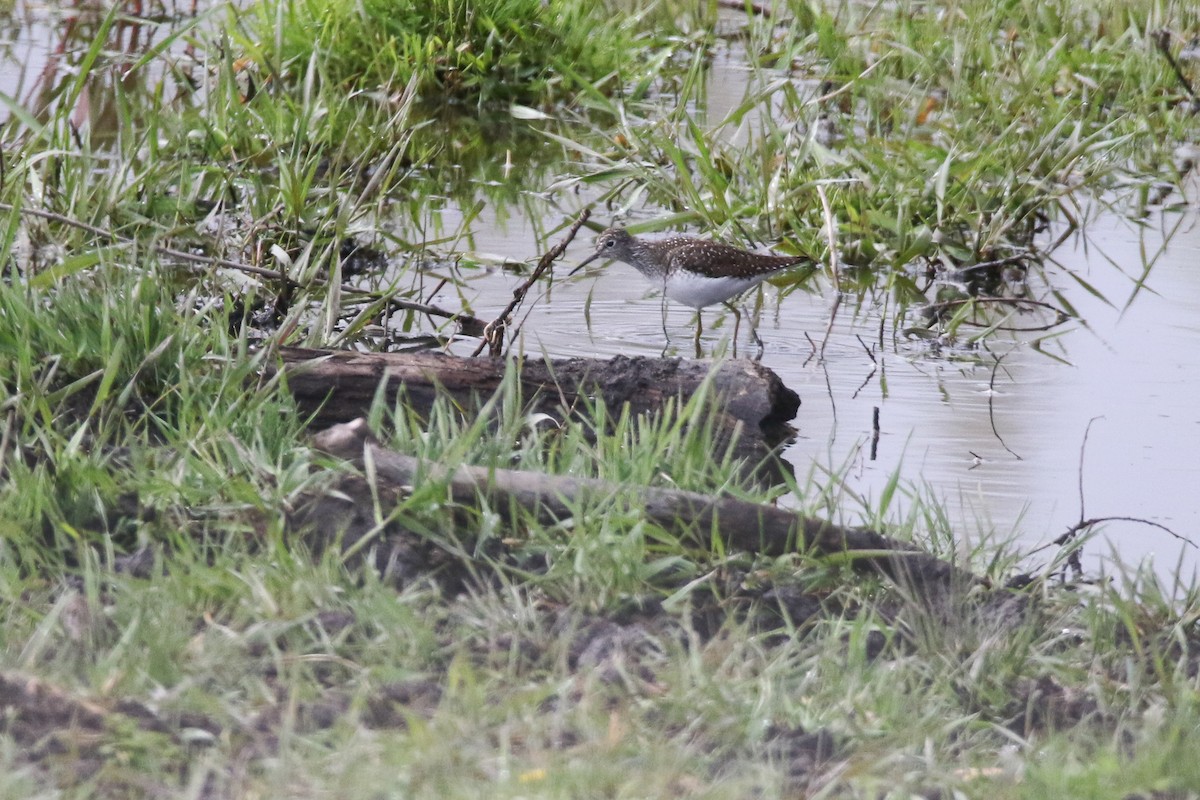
{"x":176,"y":624}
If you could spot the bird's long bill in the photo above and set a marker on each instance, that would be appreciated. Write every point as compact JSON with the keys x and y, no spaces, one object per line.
{"x":583,"y":263}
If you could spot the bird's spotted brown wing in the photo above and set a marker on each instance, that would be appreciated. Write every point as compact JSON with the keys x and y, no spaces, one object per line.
{"x":713,"y":259}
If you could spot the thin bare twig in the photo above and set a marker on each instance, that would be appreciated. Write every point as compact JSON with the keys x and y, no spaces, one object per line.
{"x":864,"y":383}
{"x":812,"y":348}
{"x":166,"y":251}
{"x":1162,"y":39}
{"x":211,"y":261}
{"x":874,"y":432}
{"x":870,"y":355}
{"x":1018,"y":258}
{"x":1088,"y":523}
{"x":1073,"y":560}
{"x":1084,"y":523}
{"x":870,"y":375}
{"x":1072,"y":226}
{"x":493,"y":332}
{"x":1060,"y":315}
{"x":991,"y":405}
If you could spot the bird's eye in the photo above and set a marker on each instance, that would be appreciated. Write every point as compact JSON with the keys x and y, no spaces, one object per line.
{"x":610,"y":243}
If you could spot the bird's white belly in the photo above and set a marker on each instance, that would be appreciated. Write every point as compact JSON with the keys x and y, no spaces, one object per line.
{"x":698,"y":291}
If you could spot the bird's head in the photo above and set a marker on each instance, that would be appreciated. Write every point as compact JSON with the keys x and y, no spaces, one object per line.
{"x":613,"y":243}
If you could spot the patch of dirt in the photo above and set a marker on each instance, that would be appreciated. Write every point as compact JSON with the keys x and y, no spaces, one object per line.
{"x":344,"y":518}
{"x":75,"y":739}
{"x":1041,"y":704}
{"x":802,"y":754}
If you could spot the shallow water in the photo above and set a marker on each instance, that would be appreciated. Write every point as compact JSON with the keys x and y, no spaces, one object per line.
{"x":1132,"y":373}
{"x":1135,"y":373}
{"x":42,"y":44}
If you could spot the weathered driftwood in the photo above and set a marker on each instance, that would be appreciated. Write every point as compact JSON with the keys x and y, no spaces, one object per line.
{"x":339,"y":386}
{"x":738,"y":524}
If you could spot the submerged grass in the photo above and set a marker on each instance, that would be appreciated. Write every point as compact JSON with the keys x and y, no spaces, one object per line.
{"x":150,"y":560}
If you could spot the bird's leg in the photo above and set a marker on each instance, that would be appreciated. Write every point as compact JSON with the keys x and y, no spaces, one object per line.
{"x":699,"y":328}
{"x":758,"y":342}
{"x":737,"y":321}
{"x":663,"y":309}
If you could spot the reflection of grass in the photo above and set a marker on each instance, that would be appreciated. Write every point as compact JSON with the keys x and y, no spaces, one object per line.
{"x":528,"y":51}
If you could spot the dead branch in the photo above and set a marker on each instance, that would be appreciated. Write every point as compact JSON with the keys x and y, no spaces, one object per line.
{"x":738,"y":524}
{"x":493,"y":332}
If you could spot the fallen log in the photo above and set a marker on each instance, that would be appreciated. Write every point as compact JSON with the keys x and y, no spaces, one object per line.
{"x":337,"y":386}
{"x":740,"y":525}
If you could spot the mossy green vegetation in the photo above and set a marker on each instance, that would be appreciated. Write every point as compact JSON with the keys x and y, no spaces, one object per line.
{"x":511,"y":51}
{"x":157,"y":587}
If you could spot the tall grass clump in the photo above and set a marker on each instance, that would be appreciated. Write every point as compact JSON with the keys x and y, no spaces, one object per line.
{"x":524,"y":51}
{"x":605,"y":550}
{"x":130,"y":407}
{"x":940,"y":136}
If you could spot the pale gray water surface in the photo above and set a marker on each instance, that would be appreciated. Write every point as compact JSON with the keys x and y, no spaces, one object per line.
{"x":1137,"y":373}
